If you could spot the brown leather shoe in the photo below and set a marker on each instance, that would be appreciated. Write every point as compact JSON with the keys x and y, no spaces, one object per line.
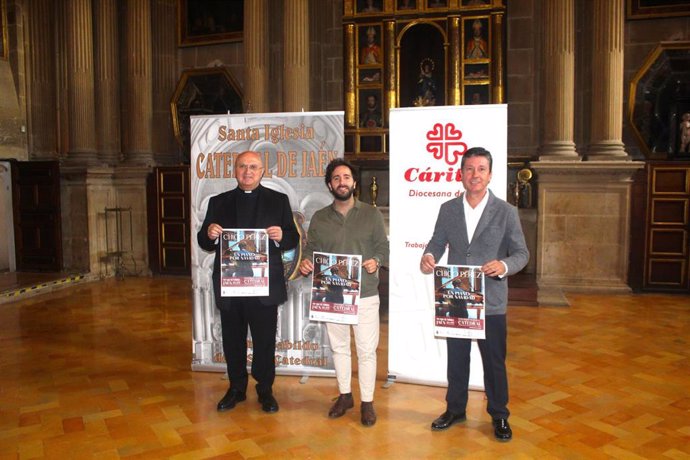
{"x":342,"y":404}
{"x":368,"y":413}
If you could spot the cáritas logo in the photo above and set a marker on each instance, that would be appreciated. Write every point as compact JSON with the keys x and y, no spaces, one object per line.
{"x":444,"y":144}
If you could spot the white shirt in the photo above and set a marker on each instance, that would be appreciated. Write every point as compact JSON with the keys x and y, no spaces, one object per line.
{"x":472,"y":216}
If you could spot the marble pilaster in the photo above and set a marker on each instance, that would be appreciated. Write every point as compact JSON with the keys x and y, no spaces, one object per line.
{"x":42,"y":91}
{"x":558,"y":70}
{"x":80,"y":72}
{"x":165,"y":67}
{"x":256,"y":63}
{"x":107,"y":81}
{"x":137,"y":98}
{"x":607,"y":89}
{"x":296,"y":55}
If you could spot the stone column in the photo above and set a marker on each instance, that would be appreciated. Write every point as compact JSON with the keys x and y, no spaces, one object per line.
{"x":138,"y":107}
{"x":296,"y":64}
{"x":62,"y":75}
{"x":80,"y":71}
{"x":164,"y":77}
{"x":558,"y":76}
{"x":607,"y":88}
{"x":107,"y":81}
{"x":42,"y":88}
{"x":256,"y":66}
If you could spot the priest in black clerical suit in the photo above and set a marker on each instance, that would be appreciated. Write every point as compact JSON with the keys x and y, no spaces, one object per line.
{"x":250,"y":205}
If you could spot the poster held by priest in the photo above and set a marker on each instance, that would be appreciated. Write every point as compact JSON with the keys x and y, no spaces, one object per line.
{"x":459,"y":302}
{"x":335,"y":288}
{"x":244,"y":263}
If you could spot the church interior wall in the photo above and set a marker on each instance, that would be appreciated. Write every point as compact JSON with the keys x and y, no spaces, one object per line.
{"x":83,"y":240}
{"x":13,"y":124}
{"x":522,"y":79}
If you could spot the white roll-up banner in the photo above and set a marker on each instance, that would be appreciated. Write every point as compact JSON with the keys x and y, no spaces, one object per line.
{"x":426,"y":146}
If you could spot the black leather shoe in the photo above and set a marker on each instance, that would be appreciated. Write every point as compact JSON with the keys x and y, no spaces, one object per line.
{"x":446,"y":420}
{"x":502,"y":429}
{"x":268,"y":403}
{"x":231,"y":398}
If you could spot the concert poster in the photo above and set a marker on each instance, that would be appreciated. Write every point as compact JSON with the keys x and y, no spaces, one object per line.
{"x":335,"y":289}
{"x":459,"y":302}
{"x":244,"y":262}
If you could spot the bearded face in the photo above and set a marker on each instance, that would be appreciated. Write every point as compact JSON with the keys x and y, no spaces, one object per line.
{"x":342,"y":184}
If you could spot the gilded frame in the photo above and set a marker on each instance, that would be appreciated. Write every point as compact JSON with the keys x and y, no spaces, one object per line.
{"x":203,"y":91}
{"x":636,"y":108}
{"x":369,"y":6}
{"x":4,"y":40}
{"x":409,"y":61}
{"x":645,"y":9}
{"x":206,"y":22}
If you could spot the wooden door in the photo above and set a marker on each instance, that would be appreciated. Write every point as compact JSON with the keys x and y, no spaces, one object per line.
{"x":169,"y":245}
{"x":666,"y":254}
{"x":36,"y":208}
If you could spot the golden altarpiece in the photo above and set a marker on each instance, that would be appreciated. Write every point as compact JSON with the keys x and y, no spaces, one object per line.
{"x":406,"y":53}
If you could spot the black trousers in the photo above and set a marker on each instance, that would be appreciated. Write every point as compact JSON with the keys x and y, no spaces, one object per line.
{"x":493,"y":352}
{"x":262,"y":321}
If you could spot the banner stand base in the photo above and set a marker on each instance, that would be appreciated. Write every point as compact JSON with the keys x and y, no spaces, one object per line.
{"x":389,"y":381}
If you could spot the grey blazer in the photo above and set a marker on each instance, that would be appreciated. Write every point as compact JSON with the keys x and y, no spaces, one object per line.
{"x":498,"y":236}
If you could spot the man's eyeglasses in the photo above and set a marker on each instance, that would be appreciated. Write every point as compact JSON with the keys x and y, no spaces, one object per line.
{"x":252,"y":167}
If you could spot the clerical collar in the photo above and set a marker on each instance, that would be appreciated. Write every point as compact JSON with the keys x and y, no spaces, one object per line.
{"x":249,"y":194}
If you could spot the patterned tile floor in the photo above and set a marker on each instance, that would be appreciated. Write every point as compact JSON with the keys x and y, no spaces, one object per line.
{"x":102,"y":370}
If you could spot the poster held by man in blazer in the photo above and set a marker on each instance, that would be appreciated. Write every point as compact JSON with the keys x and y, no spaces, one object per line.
{"x":250,"y":205}
{"x":479,"y":229}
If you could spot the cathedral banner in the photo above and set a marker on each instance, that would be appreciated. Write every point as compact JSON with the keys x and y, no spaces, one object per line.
{"x":295,"y":149}
{"x":427,"y":144}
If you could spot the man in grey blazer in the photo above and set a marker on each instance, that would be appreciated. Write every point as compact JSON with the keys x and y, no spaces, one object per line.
{"x":479,"y":229}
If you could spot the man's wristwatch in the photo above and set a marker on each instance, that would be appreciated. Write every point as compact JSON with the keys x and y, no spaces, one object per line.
{"x":378,"y":261}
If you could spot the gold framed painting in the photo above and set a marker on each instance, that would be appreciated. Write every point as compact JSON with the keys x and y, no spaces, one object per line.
{"x":369,"y":6}
{"x":659,"y":102}
{"x":204,"y":91}
{"x":645,"y":9}
{"x":206,"y":22}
